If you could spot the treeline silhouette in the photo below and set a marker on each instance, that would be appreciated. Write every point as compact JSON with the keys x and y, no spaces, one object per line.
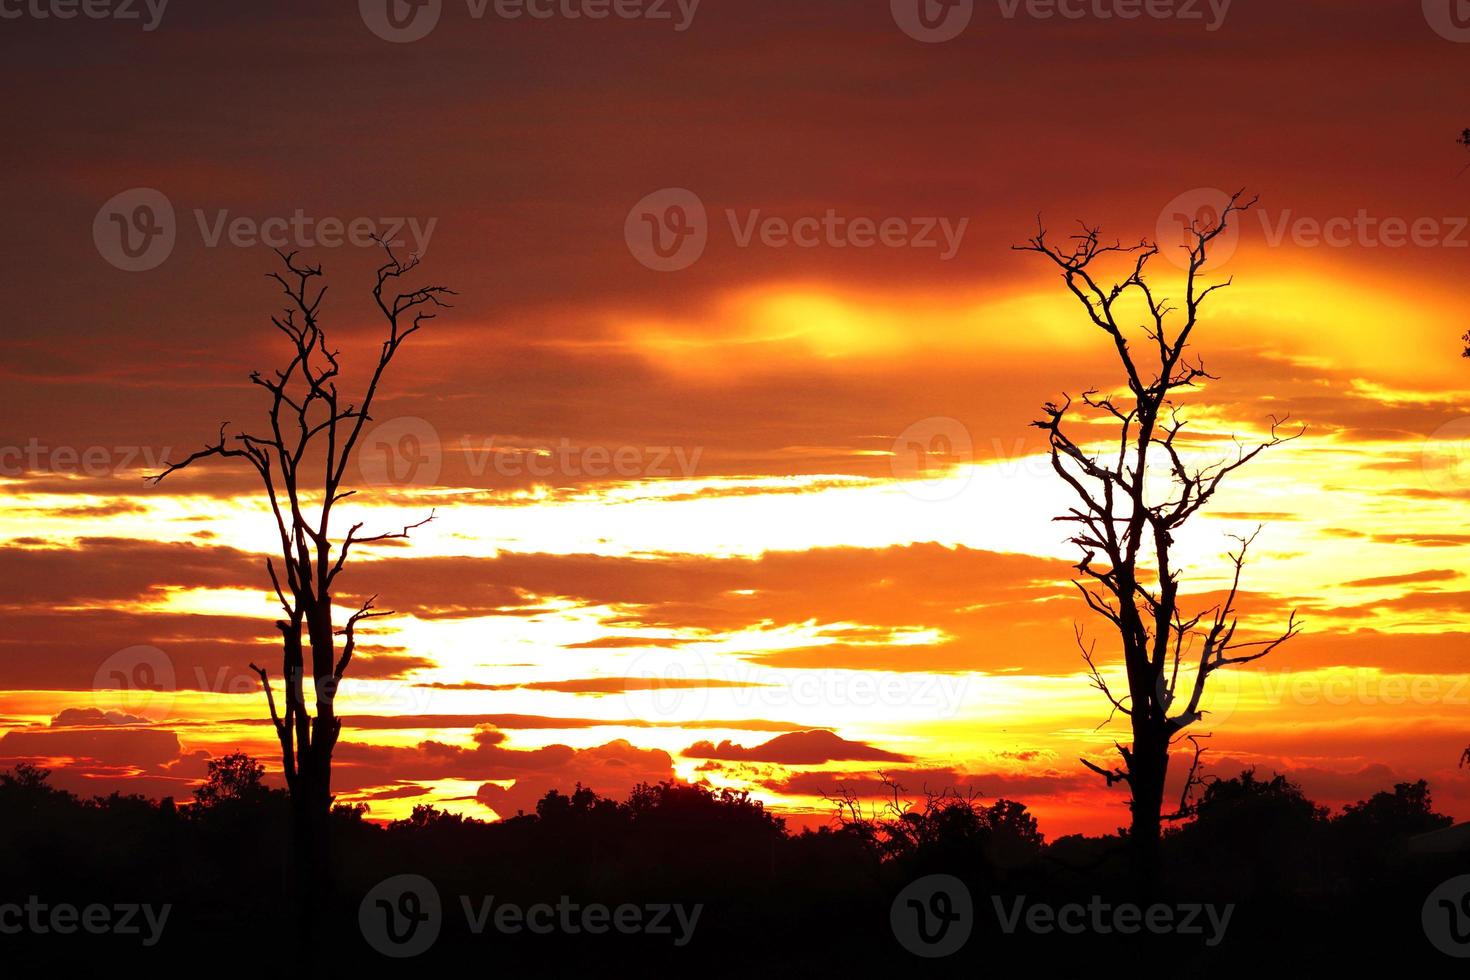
{"x":1309,"y":888}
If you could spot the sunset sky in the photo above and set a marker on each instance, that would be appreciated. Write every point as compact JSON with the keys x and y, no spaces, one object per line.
{"x":686,"y":523}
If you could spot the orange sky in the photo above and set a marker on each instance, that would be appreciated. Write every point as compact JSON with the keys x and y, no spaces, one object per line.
{"x":680,"y":527}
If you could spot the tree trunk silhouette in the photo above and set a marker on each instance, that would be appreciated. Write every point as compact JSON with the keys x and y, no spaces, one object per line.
{"x":302,"y":461}
{"x":1134,"y":491}
{"x":1149,"y":772}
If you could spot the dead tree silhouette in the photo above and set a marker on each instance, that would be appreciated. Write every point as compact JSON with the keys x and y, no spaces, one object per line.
{"x":1135,"y":490}
{"x":302,"y":462}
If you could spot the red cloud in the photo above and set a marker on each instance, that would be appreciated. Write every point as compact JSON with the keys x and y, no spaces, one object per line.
{"x":795,"y":749}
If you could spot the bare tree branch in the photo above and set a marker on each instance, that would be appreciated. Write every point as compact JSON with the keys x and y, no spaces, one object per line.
{"x":309,"y":426}
{"x":1134,"y":492}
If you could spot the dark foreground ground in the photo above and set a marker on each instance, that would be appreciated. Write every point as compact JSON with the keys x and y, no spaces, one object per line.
{"x":682,"y":881}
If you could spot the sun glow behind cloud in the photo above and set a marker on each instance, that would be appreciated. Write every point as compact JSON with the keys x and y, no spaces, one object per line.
{"x":1389,"y":496}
